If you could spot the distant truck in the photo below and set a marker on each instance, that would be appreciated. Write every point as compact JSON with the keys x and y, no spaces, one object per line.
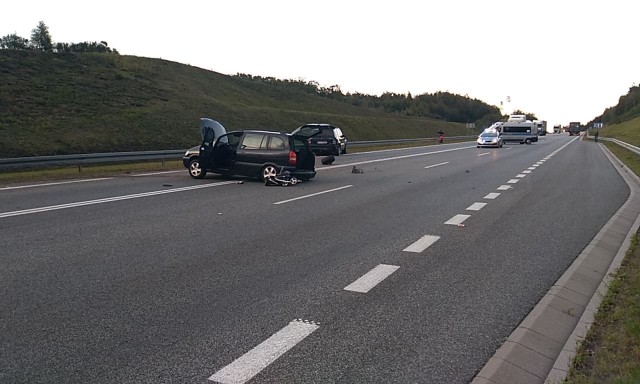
{"x":574,"y":128}
{"x":557,"y":128}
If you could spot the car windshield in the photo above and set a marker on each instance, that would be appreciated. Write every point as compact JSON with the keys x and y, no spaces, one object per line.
{"x":489,"y":134}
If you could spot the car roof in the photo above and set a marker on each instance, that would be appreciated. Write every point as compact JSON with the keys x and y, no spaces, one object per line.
{"x":318,"y":125}
{"x":256,"y":131}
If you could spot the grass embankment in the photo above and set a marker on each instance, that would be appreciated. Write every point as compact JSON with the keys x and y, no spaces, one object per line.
{"x":611,"y":351}
{"x":53,"y":104}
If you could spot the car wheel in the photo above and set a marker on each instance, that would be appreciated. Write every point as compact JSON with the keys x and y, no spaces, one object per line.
{"x":195,"y":170}
{"x":336,"y":152}
{"x":344,"y":151}
{"x":527,"y":141}
{"x":268,"y":171}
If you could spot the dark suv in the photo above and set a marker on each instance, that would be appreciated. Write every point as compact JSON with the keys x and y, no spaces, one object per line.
{"x":251,"y":153}
{"x":329,"y":141}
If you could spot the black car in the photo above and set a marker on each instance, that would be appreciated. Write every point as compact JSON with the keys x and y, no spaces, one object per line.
{"x":328,"y":141}
{"x":251,"y":153}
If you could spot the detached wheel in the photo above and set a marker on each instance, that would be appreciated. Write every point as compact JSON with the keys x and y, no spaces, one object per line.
{"x":527,"y":141}
{"x":195,"y":170}
{"x":268,"y":171}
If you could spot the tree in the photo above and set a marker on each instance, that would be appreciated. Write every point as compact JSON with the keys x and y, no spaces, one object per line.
{"x":14,"y":41}
{"x":40,"y":38}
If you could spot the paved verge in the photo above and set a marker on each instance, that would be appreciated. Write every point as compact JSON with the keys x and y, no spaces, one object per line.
{"x":541,"y":348}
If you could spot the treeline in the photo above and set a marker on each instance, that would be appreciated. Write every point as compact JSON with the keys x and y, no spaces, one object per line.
{"x":628,"y":108}
{"x":440,"y":105}
{"x":41,"y":41}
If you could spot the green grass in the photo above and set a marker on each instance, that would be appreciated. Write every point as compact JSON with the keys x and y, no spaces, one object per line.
{"x":610,"y":352}
{"x":85,"y":103}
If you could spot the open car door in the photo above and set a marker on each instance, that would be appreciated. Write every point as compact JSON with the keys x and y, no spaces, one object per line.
{"x":210,"y":130}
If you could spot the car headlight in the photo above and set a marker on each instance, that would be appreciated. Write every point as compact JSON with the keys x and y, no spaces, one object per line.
{"x":494,"y":140}
{"x":479,"y":141}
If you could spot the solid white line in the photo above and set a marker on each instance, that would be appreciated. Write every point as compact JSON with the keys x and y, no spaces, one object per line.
{"x":476,"y":206}
{"x":513,"y":181}
{"x":457,"y":219}
{"x":484,"y":154}
{"x":492,"y":195}
{"x":311,"y":195}
{"x":251,"y":363}
{"x":55,"y":183}
{"x":391,"y":158}
{"x":371,"y":278}
{"x":526,"y":171}
{"x":521,"y":175}
{"x":504,"y":187}
{"x":423,"y":243}
{"x":110,"y":199}
{"x":155,"y":173}
{"x":436,"y":165}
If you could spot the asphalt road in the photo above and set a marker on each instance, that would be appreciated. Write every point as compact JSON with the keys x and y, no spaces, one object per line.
{"x":349,"y":278}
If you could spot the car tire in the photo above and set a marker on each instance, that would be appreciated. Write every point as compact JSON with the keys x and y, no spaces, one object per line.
{"x":195,"y":170}
{"x":268,"y":171}
{"x":336,"y":152}
{"x":344,"y":151}
{"x":527,"y":141}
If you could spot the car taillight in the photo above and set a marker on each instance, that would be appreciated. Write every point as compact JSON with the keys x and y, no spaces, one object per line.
{"x":293,"y":158}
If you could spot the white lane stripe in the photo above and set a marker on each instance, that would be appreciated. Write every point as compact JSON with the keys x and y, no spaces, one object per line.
{"x":521,"y":175}
{"x":476,"y":206}
{"x":423,"y":243}
{"x":504,"y":187}
{"x":311,"y":195}
{"x":155,"y":173}
{"x":251,"y":363}
{"x":492,"y":195}
{"x":55,"y":183}
{"x":371,"y":278}
{"x":484,"y":154}
{"x":390,"y":158}
{"x":513,"y":181}
{"x":526,"y":171}
{"x":457,"y":219}
{"x":535,"y":166}
{"x":110,"y":199}
{"x":436,"y":165}
{"x":532,"y":168}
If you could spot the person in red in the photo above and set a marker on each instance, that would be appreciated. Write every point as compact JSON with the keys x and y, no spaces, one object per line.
{"x":441,"y":137}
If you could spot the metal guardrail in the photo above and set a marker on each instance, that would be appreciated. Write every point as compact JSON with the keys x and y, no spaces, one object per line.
{"x":81,"y":160}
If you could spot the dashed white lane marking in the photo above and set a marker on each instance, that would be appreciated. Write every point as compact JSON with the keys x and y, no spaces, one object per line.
{"x":56,"y":183}
{"x":457,"y":219}
{"x":526,"y":171}
{"x":535,"y":166}
{"x":476,"y":206}
{"x":521,"y":175}
{"x":484,"y":154}
{"x":251,"y":363}
{"x":311,"y":195}
{"x":436,"y":165}
{"x":532,"y":168}
{"x":504,"y":187}
{"x":513,"y":181}
{"x":423,"y":243}
{"x":111,"y":199}
{"x":371,"y":278}
{"x":492,"y":195}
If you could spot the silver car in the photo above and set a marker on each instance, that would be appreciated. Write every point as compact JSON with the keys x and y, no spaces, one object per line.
{"x":489,"y":139}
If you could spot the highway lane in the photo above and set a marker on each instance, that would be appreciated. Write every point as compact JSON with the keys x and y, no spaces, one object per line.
{"x":175,"y":287}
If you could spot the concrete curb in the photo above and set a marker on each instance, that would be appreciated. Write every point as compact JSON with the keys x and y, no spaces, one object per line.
{"x":541,"y":348}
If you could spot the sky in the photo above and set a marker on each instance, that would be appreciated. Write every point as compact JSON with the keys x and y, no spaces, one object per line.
{"x":562,"y":60}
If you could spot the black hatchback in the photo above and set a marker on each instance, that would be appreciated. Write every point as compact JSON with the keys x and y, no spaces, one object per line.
{"x":251,"y":153}
{"x":324,"y":139}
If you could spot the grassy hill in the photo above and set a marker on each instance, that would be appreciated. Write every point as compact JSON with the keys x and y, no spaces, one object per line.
{"x":82,"y":103}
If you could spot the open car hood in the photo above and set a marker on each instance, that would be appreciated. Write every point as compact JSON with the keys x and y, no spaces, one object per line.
{"x":206,"y":124}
